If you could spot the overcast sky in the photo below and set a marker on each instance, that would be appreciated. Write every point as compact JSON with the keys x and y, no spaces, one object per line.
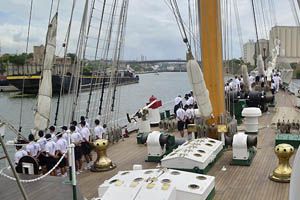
{"x":151,"y":28}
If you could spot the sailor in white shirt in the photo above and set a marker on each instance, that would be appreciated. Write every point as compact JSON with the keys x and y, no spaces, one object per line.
{"x":85,"y":145}
{"x":52,"y":132}
{"x":98,"y":130}
{"x":33,"y":148}
{"x":226,"y":88}
{"x":19,"y":154}
{"x":76,"y":139}
{"x":61,"y":147}
{"x":74,"y":123}
{"x":251,"y":80}
{"x":231,"y":85}
{"x":277,"y":80}
{"x":51,"y":157}
{"x":42,"y":142}
{"x":181,"y":116}
{"x":190,"y":100}
{"x":273,"y":87}
{"x":177,"y":100}
{"x":237,"y":84}
{"x":82,"y":118}
{"x":65,"y":132}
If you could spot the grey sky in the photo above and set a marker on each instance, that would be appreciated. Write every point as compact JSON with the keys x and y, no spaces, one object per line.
{"x":151,"y":29}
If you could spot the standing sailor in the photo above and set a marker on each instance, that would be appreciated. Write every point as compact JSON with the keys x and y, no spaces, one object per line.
{"x":178,"y":102}
{"x":85,"y":145}
{"x":33,"y":148}
{"x":61,"y":148}
{"x":42,"y":158}
{"x":76,"y":140}
{"x":52,"y":132}
{"x":19,"y":153}
{"x":180,"y":115}
{"x":98,"y":130}
{"x":82,"y":118}
{"x":51,"y":157}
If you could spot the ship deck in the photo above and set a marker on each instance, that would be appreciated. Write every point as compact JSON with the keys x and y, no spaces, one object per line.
{"x":236,"y":183}
{"x":49,"y":188}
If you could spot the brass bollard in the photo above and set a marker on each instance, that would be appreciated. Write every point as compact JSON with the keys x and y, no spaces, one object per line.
{"x":102,"y":163}
{"x":283,"y":171}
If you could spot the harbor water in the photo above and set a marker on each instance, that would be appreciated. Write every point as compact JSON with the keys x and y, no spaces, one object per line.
{"x":165,"y":86}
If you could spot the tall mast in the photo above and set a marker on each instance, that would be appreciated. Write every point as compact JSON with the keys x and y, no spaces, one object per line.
{"x":211,"y":45}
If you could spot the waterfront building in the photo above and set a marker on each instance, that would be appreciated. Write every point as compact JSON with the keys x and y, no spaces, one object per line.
{"x":289,"y":37}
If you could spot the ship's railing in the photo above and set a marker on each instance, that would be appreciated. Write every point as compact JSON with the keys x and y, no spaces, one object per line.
{"x":294,"y":87}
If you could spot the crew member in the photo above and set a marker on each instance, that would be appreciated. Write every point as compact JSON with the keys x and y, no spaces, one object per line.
{"x":51,"y":158}
{"x":61,"y":148}
{"x":85,"y":145}
{"x":180,"y":115}
{"x":82,"y":118}
{"x":52,"y":132}
{"x":19,"y":153}
{"x":189,"y":119}
{"x":98,"y":130}
{"x":273,"y":87}
{"x":42,"y":158}
{"x":76,"y":140}
{"x":33,"y":148}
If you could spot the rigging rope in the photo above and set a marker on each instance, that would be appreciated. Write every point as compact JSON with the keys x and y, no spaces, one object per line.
{"x":238,"y":24}
{"x":294,"y":11}
{"x":257,"y":50}
{"x":23,"y":82}
{"x":66,"y":45}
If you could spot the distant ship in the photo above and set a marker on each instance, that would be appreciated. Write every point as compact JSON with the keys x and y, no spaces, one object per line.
{"x":31,"y":82}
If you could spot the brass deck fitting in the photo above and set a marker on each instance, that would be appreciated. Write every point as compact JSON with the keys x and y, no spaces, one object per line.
{"x":102,"y":163}
{"x":283,"y":171}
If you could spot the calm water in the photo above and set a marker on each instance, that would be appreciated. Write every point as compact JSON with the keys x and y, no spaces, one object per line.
{"x":165,"y":86}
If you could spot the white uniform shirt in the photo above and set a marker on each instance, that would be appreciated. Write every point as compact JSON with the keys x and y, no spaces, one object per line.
{"x":61,"y":145}
{"x":190,"y":101}
{"x":53,"y":137}
{"x":276,"y":80}
{"x":180,"y":113}
{"x":231,"y":85}
{"x":87,"y":125}
{"x":65,"y":135}
{"x":19,"y":154}
{"x":33,"y":148}
{"x":85,"y":133}
{"x":273,"y":85}
{"x":99,"y":130}
{"x":237,"y":84}
{"x":251,"y":79}
{"x":50,"y":148}
{"x":189,"y":113}
{"x":226,"y":88}
{"x":42,"y":142}
{"x":75,"y":137}
{"x":177,"y":100}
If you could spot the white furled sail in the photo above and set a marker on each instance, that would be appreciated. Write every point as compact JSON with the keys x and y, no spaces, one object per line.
{"x":260,"y":65}
{"x":42,"y":112}
{"x":201,"y":94}
{"x":246,"y":78}
{"x":272,"y":64}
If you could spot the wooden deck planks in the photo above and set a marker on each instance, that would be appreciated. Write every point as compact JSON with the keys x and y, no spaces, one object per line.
{"x":48,"y":188}
{"x":236,"y":183}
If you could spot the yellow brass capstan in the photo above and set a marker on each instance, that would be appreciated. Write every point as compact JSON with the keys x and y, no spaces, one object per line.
{"x":283,"y":171}
{"x":102,"y":163}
